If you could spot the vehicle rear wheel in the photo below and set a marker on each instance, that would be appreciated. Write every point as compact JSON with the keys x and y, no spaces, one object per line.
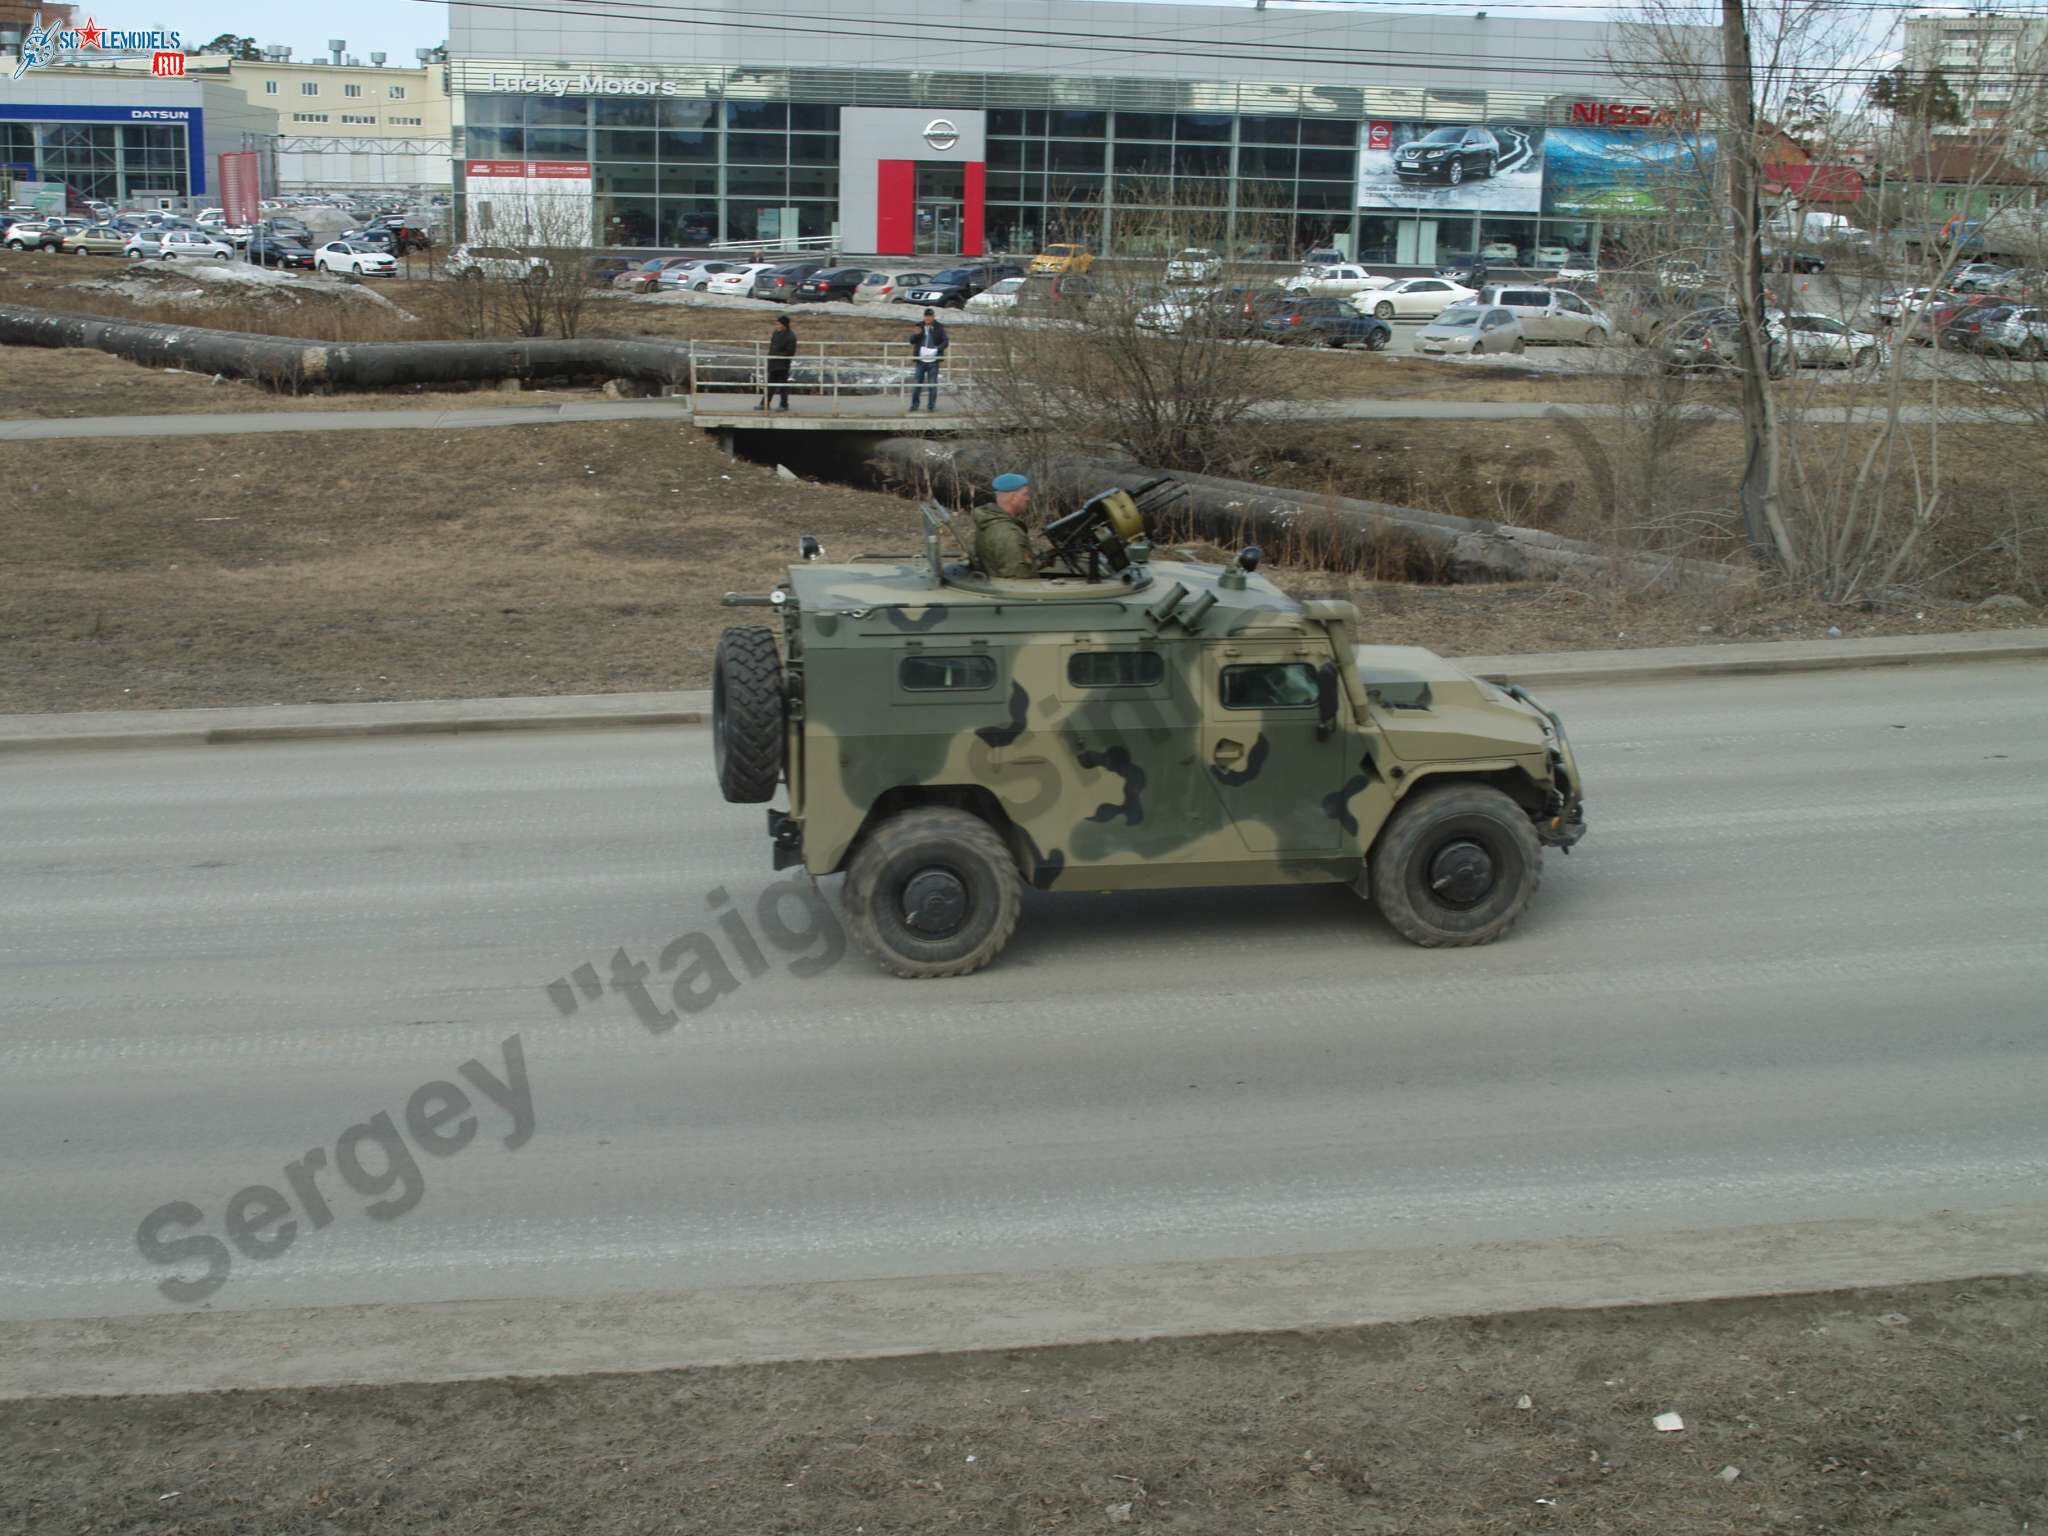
{"x":747,"y":715}
{"x":1478,"y":349}
{"x":933,"y":892}
{"x":78,"y":250}
{"x":1518,"y":348}
{"x":2030,"y":350}
{"x":1455,"y":866}
{"x":1865,"y":357}
{"x":1384,"y":309}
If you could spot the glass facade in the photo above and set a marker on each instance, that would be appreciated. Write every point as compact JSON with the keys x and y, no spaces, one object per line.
{"x":1272,"y":171}
{"x":108,"y":161}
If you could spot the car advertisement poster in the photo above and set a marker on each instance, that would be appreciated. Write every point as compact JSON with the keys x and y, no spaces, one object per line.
{"x":1595,"y":171}
{"x":1494,"y":166}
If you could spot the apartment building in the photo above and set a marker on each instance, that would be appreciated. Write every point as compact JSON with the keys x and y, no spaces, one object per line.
{"x":1987,"y":58}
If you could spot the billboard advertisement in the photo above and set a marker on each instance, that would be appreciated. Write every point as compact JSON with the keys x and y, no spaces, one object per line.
{"x":530,"y":202}
{"x":241,"y":187}
{"x":1598,"y":171}
{"x":1494,"y":166}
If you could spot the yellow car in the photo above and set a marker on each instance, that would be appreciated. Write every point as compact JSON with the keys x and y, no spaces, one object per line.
{"x":1062,"y":258}
{"x":100,"y":240}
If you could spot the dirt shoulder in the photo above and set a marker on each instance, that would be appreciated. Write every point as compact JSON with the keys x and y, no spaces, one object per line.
{"x":1901,"y":1409}
{"x":590,"y":559}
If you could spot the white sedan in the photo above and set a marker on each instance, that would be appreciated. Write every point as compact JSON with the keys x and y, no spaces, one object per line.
{"x":739,"y":281}
{"x":1333,"y":282}
{"x":1553,"y":255}
{"x":1002,"y":296}
{"x":1500,"y":250}
{"x":1823,"y":341}
{"x":1413,"y":298}
{"x":1196,"y":264}
{"x":361,"y":260}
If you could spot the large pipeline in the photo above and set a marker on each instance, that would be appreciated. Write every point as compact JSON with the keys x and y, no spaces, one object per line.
{"x":1350,"y":533}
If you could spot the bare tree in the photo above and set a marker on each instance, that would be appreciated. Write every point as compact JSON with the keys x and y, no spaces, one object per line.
{"x":544,"y":284}
{"x":1164,"y":362}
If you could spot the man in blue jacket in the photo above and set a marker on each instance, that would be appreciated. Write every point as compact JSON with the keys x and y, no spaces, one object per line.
{"x":928,"y":343}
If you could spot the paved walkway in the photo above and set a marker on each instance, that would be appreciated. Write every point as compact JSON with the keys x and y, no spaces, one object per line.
{"x":402,"y":419}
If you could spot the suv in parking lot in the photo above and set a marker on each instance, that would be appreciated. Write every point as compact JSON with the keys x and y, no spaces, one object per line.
{"x":948,"y":739}
{"x":952,"y":288}
{"x":1550,"y":314}
{"x":502,"y":262}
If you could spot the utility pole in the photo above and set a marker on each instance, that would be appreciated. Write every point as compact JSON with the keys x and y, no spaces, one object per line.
{"x":1762,"y":524}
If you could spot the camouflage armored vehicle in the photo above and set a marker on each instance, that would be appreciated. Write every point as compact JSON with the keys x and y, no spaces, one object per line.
{"x":1116,"y":723}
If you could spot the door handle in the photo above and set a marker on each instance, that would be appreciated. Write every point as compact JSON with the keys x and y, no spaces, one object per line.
{"x":1229,"y":751}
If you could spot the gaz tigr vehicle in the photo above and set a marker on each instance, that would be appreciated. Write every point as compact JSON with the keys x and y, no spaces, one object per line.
{"x":1112,"y":723}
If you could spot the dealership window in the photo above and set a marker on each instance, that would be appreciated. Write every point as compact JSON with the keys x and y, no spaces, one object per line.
{"x":757,"y":116}
{"x":757,"y":181}
{"x":627,"y":221}
{"x":693,"y":145}
{"x":1378,"y":240}
{"x":557,"y":111}
{"x":1500,"y":237}
{"x":625,"y":114}
{"x":1144,"y":125}
{"x":686,"y":179}
{"x":1263,"y":163}
{"x":1144,"y":160}
{"x":558,"y":143}
{"x":1073,"y":157}
{"x":1336,"y":133}
{"x":493,"y":143}
{"x":625,"y":144}
{"x":1076,"y":125}
{"x":1202,"y":128}
{"x":352,"y":91}
{"x":1269,"y":130}
{"x":493,"y":111}
{"x":309,"y":87}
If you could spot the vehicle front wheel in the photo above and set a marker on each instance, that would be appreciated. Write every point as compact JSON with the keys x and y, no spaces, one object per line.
{"x":1455,"y":866}
{"x":2030,"y":350}
{"x":1377,"y":340}
{"x":933,"y":892}
{"x":1456,"y":174}
{"x":1595,"y":337}
{"x":1518,"y":348}
{"x":1384,"y":309}
{"x":1478,"y":349}
{"x":747,"y":715}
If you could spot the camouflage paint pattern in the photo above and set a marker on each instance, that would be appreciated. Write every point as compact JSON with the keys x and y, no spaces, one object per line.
{"x":1153,"y":780}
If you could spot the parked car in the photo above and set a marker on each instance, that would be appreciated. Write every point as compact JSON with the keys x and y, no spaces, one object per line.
{"x":503,"y":263}
{"x":1713,"y":340}
{"x":1550,"y":314}
{"x":1501,"y":250}
{"x":1681,"y":274}
{"x":267,"y":251}
{"x":1003,"y":296}
{"x":1471,"y":330}
{"x":1467,"y":272}
{"x":1822,"y":341}
{"x":352,"y":256}
{"x":2009,"y":330}
{"x":1196,"y":264}
{"x":890,"y":287}
{"x":1333,"y":282}
{"x":1061,"y":258}
{"x":1326,"y":322}
{"x":840,"y":283}
{"x":1413,"y":298}
{"x":1172,"y":310}
{"x":1933,"y":325}
{"x":694,"y":276}
{"x":1553,"y":256}
{"x":1776,"y":260}
{"x":779,"y":284}
{"x":95,"y":240}
{"x":1897,"y":304}
{"x":645,"y":277}
{"x":1982,"y":277}
{"x":193,"y":245}
{"x":953,"y":287}
{"x":1323,"y":256}
{"x":737,"y":282}
{"x":35,"y":235}
{"x":143,"y":245}
{"x":1449,"y":154}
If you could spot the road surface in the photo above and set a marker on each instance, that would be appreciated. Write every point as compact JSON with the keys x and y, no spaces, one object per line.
{"x":1794,"y":973}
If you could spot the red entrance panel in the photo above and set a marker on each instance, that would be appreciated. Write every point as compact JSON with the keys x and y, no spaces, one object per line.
{"x":972,"y":223}
{"x":895,"y":207}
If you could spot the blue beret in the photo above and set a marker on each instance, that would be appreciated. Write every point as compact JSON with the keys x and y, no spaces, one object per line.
{"x":1010,"y":482}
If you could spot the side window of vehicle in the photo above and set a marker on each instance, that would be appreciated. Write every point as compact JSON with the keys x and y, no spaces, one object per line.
{"x":1574,"y":303}
{"x":1115,"y":669}
{"x":1270,"y":685}
{"x":947,"y":674}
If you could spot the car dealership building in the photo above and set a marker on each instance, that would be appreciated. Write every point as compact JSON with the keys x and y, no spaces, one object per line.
{"x":965,"y":127}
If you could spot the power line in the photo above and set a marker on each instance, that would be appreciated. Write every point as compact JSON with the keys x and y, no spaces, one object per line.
{"x":1225,"y":50}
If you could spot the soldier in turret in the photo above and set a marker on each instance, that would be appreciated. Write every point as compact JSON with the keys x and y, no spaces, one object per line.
{"x":1002,"y":542}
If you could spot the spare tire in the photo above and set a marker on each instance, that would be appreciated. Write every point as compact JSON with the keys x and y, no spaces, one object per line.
{"x":747,"y":715}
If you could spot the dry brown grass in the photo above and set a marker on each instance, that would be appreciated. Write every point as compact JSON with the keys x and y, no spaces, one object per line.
{"x":1906,"y":1409}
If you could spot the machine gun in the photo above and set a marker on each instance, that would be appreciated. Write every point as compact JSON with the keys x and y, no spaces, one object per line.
{"x":1099,"y":533}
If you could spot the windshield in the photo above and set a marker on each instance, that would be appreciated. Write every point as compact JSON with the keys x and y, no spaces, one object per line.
{"x":1008,"y":285}
{"x":1456,"y":317}
{"x":954,"y":275}
{"x":1446,"y":136}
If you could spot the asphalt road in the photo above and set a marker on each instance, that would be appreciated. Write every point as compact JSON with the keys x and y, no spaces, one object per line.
{"x":1796,"y":972}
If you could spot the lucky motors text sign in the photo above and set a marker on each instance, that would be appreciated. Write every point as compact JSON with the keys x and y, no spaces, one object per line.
{"x":585,"y":85}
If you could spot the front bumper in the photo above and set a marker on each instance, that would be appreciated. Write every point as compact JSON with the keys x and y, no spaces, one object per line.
{"x":1562,"y":825}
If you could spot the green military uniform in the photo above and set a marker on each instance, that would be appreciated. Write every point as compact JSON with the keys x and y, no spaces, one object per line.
{"x":1002,"y":547}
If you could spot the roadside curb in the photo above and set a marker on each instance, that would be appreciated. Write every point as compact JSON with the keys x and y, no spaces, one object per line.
{"x":105,"y":730}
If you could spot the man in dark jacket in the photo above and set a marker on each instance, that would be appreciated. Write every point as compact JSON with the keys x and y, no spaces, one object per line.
{"x":928,"y":344}
{"x":781,"y":348}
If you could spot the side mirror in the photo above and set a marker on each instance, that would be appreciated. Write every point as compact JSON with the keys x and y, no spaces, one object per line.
{"x":1326,"y":700}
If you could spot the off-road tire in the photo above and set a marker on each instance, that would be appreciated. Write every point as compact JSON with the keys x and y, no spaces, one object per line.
{"x":1384,"y":309}
{"x":932,"y":837}
{"x":747,"y":715}
{"x":1455,"y":173}
{"x":1428,"y":822}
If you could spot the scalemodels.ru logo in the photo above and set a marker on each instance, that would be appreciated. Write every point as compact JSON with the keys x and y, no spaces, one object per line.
{"x":54,"y":45}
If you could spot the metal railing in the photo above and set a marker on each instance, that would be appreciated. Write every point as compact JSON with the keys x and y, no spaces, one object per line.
{"x":839,"y":379}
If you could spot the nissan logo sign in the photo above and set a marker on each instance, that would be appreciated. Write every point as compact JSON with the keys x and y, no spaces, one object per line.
{"x":941,"y":134}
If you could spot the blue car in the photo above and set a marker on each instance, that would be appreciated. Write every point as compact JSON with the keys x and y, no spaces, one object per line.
{"x":1325,"y":323}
